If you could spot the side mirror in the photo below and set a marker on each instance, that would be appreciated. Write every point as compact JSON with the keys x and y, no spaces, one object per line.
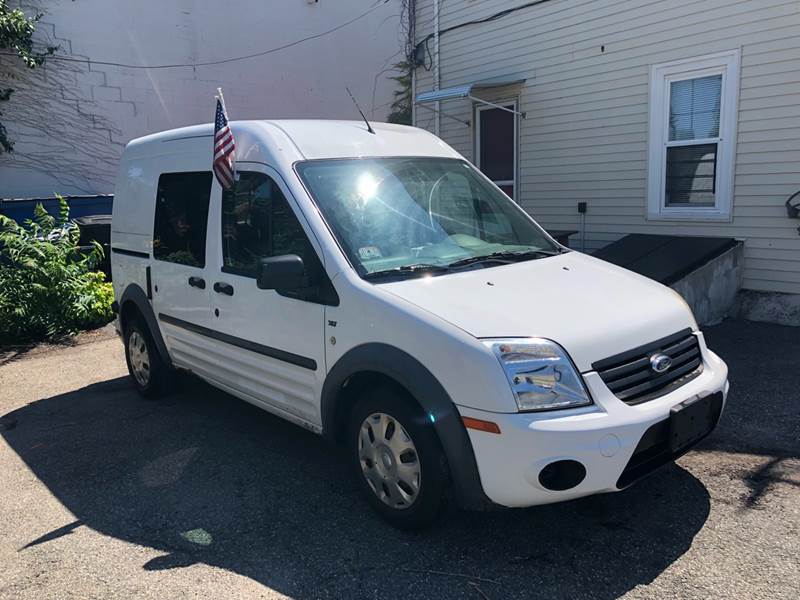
{"x":285,"y":272}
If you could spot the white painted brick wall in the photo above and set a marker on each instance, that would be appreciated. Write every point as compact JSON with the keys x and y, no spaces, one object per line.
{"x":70,"y":121}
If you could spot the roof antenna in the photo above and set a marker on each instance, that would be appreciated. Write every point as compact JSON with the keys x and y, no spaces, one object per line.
{"x":361,"y":112}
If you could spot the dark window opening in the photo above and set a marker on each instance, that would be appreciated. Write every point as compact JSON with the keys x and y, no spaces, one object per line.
{"x":691,"y":175}
{"x":179,"y":230}
{"x":497,"y":146}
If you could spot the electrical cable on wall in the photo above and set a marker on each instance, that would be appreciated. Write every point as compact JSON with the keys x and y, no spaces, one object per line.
{"x":423,"y":47}
{"x":408,"y":28}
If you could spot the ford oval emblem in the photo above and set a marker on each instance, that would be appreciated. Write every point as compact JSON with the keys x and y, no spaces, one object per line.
{"x":660,"y":362}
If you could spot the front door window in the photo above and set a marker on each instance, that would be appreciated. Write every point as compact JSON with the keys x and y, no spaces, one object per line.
{"x":257,"y":223}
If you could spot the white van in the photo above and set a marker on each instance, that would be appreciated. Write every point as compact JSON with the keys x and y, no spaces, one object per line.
{"x":377,"y":289}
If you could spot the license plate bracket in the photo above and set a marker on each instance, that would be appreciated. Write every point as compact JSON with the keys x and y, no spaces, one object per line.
{"x":691,"y":421}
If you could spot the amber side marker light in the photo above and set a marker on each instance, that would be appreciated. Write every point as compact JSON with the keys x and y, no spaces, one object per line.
{"x":480,"y":425}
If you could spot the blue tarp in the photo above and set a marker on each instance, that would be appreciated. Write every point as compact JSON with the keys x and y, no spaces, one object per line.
{"x":20,"y":209}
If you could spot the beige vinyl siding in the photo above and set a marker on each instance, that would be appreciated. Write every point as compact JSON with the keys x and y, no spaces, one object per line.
{"x":585,"y":137}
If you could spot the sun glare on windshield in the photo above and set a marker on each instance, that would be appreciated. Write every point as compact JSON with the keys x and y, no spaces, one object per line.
{"x":367,"y":186}
{"x":410,"y":216}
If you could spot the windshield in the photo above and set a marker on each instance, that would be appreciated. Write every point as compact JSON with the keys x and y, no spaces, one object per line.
{"x":393,"y":215}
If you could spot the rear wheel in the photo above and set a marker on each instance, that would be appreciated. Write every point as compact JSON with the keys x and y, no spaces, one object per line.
{"x":148,"y":371}
{"x":397,"y":459}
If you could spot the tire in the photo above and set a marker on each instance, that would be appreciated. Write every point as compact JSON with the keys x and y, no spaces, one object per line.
{"x":149,"y":373}
{"x":397,"y":459}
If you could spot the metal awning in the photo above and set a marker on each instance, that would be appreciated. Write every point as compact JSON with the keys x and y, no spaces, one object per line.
{"x":466,"y":91}
{"x":460,"y":91}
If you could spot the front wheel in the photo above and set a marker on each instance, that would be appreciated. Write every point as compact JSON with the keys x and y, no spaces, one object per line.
{"x":398,"y":461}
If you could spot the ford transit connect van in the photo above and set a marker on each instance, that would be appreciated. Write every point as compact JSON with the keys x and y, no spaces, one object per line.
{"x":377,"y":289}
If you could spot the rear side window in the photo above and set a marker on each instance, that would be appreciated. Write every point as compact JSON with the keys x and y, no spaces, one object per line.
{"x":257,"y":222}
{"x":179,"y":231}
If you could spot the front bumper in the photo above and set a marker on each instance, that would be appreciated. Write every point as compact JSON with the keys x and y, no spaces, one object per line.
{"x":602,"y":437}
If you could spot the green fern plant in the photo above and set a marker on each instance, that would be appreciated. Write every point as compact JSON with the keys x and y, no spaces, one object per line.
{"x":48,"y":287}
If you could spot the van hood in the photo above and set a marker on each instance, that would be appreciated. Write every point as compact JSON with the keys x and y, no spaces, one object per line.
{"x":592,"y":308}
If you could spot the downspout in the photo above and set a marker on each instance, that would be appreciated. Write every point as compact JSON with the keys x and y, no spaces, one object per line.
{"x":413,"y":96}
{"x":411,"y":58}
{"x":436,"y":76}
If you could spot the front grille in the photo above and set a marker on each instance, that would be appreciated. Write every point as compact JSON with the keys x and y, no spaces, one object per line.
{"x":631,"y":378}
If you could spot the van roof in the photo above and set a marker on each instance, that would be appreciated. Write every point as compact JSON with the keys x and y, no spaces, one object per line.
{"x":317,"y":138}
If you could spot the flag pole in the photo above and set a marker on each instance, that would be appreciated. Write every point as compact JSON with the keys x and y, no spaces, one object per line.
{"x":226,"y":238}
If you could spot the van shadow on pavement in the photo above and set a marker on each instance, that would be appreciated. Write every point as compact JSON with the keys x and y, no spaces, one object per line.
{"x":207,"y":478}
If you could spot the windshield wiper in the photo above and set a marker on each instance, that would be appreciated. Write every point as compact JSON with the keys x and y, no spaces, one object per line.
{"x":505,"y":257}
{"x":404,"y":270}
{"x":502,"y":256}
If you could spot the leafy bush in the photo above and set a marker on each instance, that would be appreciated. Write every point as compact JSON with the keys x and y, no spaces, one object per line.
{"x":47,"y":285}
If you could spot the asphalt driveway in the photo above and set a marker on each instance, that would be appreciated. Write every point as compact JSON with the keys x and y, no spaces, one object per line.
{"x":104,"y":494}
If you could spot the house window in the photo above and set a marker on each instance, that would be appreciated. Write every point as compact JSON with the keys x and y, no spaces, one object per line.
{"x":693,"y":137}
{"x":496,"y":145}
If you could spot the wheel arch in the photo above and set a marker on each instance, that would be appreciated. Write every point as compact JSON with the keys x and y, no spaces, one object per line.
{"x":134,"y":303}
{"x":374,"y":363}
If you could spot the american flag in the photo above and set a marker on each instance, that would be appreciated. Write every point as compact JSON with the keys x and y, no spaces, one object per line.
{"x":224,"y":147}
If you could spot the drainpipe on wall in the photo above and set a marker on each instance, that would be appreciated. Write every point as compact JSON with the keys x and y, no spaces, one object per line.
{"x":414,"y":94}
{"x":436,"y":79}
{"x":412,"y":58}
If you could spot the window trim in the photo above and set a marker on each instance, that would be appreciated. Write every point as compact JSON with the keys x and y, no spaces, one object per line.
{"x":479,"y":108}
{"x":662,"y":75}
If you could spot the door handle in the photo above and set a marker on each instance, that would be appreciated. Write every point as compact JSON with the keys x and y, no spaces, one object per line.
{"x":223,"y":288}
{"x":197,"y":282}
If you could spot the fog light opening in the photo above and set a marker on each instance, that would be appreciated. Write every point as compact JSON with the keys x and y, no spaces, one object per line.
{"x":562,"y":475}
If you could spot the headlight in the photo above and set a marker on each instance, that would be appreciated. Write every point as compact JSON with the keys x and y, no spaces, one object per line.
{"x":540,"y":373}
